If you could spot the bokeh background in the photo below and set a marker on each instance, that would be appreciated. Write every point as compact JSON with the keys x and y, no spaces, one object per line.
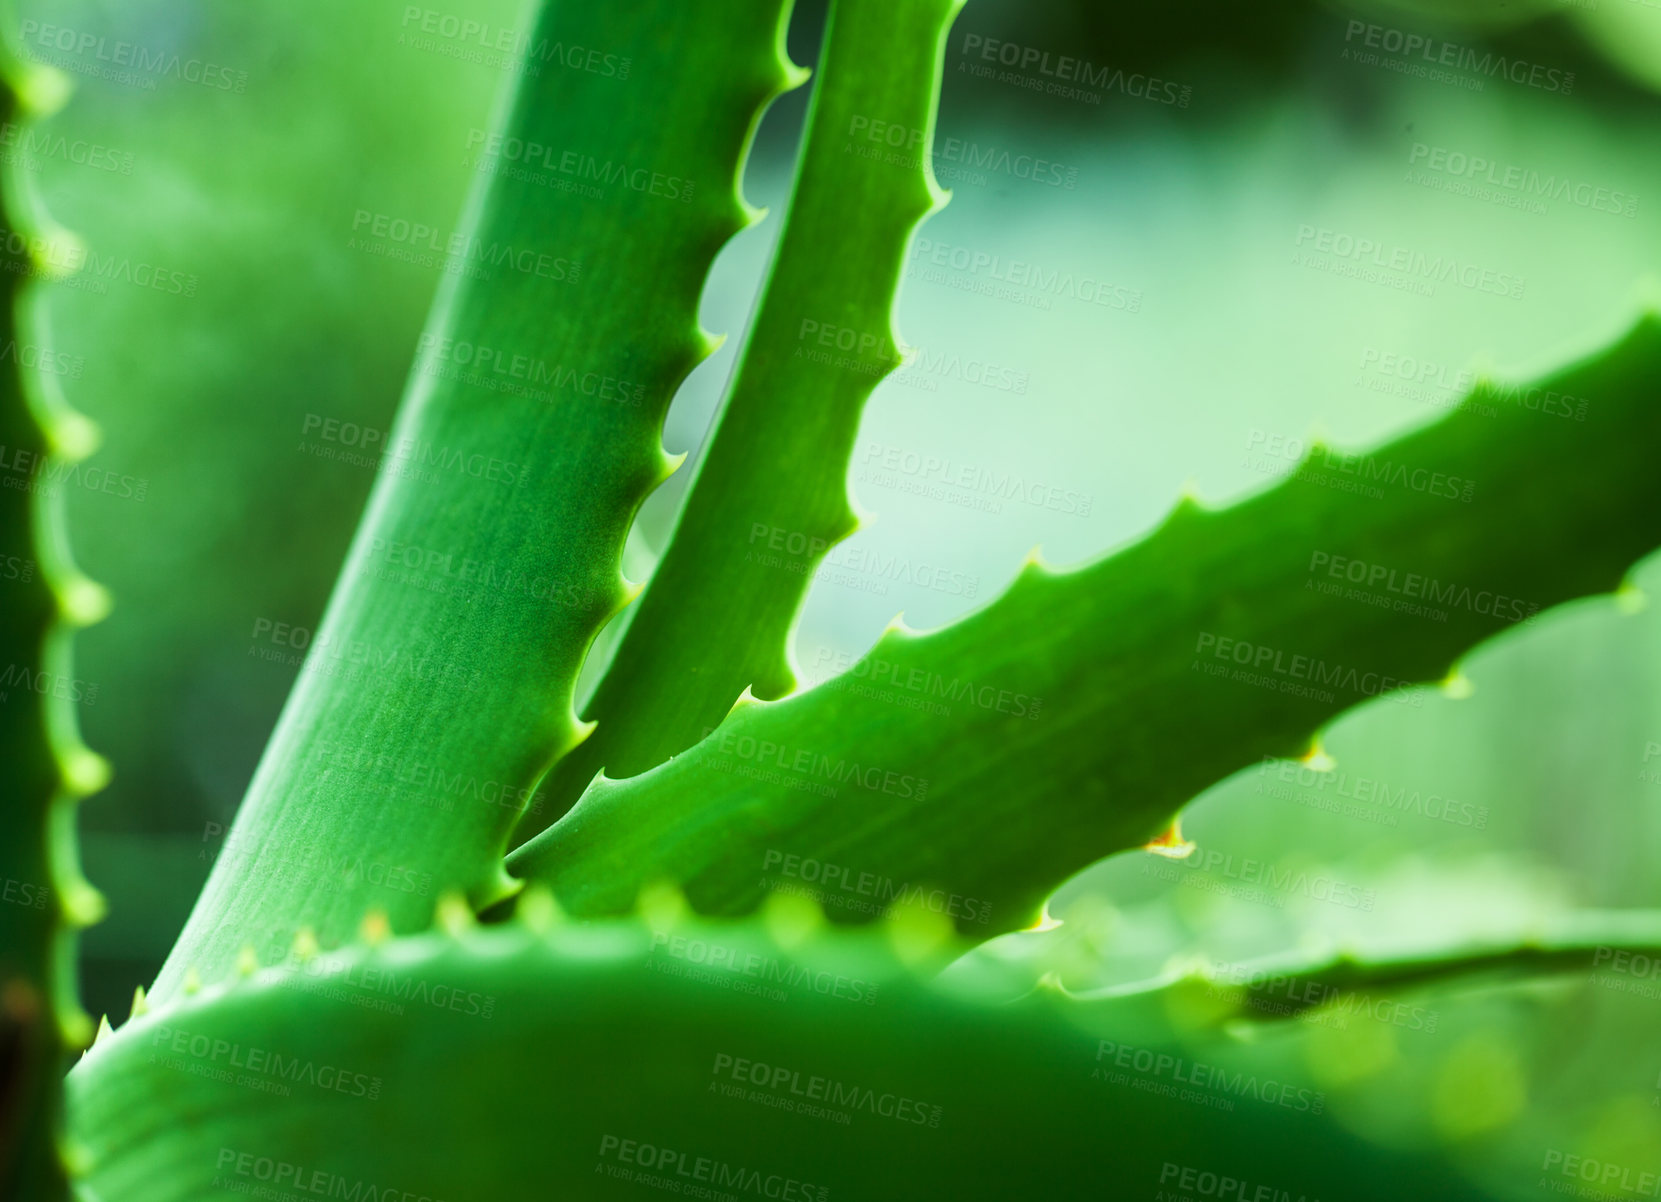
{"x":1210,"y":336}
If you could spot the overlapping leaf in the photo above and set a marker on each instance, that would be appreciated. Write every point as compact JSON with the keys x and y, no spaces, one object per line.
{"x":46,"y":769}
{"x":439,"y":686}
{"x":687,"y":1055}
{"x":1074,"y":716}
{"x":770,"y":497}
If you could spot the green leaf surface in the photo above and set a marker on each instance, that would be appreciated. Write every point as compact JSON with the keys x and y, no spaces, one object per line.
{"x":770,"y":497}
{"x":603,"y":1058}
{"x":1073,"y":717}
{"x":45,"y":770}
{"x":439,"y":686}
{"x":1300,"y":984}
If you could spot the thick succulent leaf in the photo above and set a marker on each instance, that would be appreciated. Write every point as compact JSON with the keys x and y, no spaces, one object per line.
{"x":45,"y":768}
{"x":602,"y":1058}
{"x":1302,"y":984}
{"x":770,"y":497}
{"x":1075,"y":715}
{"x":439,"y":687}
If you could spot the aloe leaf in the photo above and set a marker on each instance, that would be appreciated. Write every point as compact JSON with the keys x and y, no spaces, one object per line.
{"x":1074,"y":716}
{"x":770,"y":495}
{"x":1311,"y":985}
{"x":47,"y":770}
{"x":790,"y":1063}
{"x":439,"y":686}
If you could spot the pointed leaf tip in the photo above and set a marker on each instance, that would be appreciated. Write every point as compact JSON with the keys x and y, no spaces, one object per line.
{"x":1630,"y":599}
{"x":83,"y":601}
{"x":791,"y":918}
{"x":1316,"y":758}
{"x":375,"y":928}
{"x":85,"y":772}
{"x":83,"y":905}
{"x":1457,"y":686}
{"x":1170,"y":843}
{"x":305,"y":946}
{"x":42,"y":90}
{"x":580,"y":730}
{"x":1050,"y":982}
{"x":1044,"y":922}
{"x":454,"y":915}
{"x":662,"y":905}
{"x":538,"y":910}
{"x":1034,"y":560}
{"x":898,"y":628}
{"x":746,"y":700}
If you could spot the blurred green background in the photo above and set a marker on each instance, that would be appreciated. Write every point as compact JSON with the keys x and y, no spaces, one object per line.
{"x":1208,"y":336}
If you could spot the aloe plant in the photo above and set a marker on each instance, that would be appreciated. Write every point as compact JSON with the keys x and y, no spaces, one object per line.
{"x":589,"y":981}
